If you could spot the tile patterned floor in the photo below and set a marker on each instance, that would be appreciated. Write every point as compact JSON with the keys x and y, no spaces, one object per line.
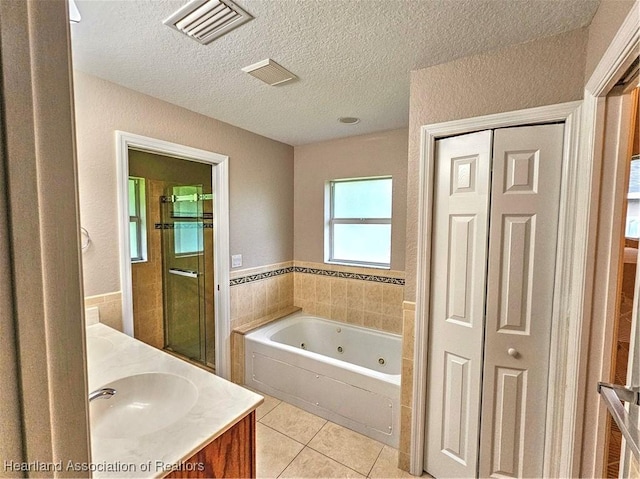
{"x":294,"y":443}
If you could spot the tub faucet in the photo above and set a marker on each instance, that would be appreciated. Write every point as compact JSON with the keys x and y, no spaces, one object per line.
{"x":102,"y":393}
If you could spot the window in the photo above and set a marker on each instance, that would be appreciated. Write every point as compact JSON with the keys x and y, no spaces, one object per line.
{"x":188,"y":237}
{"x":137,"y":219}
{"x":359,"y":222}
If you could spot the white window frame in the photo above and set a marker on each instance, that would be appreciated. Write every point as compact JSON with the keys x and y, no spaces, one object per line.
{"x":140,"y":219}
{"x":330,"y":222}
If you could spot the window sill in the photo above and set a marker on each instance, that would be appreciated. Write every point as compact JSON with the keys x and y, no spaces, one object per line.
{"x":188,"y":255}
{"x":359,"y":265}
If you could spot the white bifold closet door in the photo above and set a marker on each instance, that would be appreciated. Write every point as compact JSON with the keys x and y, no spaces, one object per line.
{"x":459,"y":243}
{"x":494,"y":248}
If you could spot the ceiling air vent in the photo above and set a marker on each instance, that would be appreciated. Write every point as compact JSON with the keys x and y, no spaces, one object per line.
{"x":206,"y":20}
{"x":269,"y":72}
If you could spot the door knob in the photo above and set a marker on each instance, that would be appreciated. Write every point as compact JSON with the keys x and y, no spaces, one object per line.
{"x":513,"y":352}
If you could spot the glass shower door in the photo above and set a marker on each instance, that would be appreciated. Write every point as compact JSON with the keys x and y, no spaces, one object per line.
{"x":186,"y":273}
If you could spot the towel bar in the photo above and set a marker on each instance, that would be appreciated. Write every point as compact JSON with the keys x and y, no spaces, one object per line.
{"x":612,"y":394}
{"x":184,"y":272}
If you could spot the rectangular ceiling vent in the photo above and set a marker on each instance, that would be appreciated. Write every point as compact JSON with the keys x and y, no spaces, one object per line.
{"x":206,"y":20}
{"x":269,"y":72}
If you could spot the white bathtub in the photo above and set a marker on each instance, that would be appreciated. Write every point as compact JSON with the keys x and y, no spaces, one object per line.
{"x":347,"y":374}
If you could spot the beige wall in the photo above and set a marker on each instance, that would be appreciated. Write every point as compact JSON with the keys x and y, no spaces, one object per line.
{"x":542,"y":72}
{"x":603,"y":27}
{"x":146,"y":276}
{"x":377,"y":154}
{"x":260,"y":177}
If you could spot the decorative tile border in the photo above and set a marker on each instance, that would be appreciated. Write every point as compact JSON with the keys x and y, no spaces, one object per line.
{"x":321,"y":272}
{"x":171,"y":226}
{"x":258,"y":276}
{"x":347,"y":275}
{"x":235,"y":273}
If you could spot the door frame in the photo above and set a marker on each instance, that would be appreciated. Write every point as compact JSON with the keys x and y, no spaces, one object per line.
{"x":220,"y":183}
{"x":562,"y":324}
{"x":622,"y":51}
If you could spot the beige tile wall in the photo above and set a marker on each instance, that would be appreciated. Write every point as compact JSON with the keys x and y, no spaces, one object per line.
{"x":237,"y":357}
{"x":251,"y":301}
{"x":255,"y":300}
{"x":366,"y":303}
{"x":406,"y":385}
{"x":146,"y":277}
{"x":109,"y":306}
{"x":354,"y":301}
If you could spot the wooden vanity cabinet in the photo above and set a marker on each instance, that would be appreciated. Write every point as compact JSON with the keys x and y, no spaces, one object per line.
{"x":231,"y":455}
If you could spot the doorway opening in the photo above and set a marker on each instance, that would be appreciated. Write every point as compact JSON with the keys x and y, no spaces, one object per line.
{"x":172,"y":263}
{"x":174,"y":248}
{"x":627,"y":272}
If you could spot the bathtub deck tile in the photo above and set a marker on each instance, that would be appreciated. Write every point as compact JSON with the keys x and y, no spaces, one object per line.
{"x":275,"y":451}
{"x":245,"y":327}
{"x":350,"y":448}
{"x":310,"y":463}
{"x":293,"y":422}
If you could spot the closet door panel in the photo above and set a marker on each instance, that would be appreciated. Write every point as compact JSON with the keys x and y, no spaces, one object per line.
{"x":520,"y":282}
{"x":456,"y":314}
{"x":510,"y":411}
{"x":514,"y":308}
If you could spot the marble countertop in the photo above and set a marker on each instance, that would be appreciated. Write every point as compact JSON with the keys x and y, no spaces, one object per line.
{"x":112,"y":355}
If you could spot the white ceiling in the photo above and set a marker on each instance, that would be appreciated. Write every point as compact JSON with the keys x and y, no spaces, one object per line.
{"x":352,"y":57}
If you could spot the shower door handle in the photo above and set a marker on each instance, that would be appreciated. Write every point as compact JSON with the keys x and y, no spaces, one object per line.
{"x":184,"y":272}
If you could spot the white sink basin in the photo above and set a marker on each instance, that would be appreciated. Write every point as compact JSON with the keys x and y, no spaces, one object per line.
{"x":143,"y":404}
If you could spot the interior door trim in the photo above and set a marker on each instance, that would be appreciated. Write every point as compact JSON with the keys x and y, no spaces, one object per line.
{"x":220,"y":183}
{"x":562,"y":400}
{"x":613,"y":65}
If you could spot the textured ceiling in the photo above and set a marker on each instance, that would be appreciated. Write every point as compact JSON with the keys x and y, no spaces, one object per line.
{"x":352,"y":57}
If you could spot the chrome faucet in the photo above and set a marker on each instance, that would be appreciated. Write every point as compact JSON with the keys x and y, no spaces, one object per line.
{"x":102,"y":393}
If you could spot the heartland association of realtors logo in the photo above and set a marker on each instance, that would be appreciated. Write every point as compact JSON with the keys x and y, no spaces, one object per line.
{"x":117,"y":466}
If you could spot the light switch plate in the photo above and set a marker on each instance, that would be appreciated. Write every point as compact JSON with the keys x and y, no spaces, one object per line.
{"x":236,"y":260}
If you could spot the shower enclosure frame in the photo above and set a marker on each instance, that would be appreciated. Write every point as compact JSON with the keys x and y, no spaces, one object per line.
{"x":220,"y":182}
